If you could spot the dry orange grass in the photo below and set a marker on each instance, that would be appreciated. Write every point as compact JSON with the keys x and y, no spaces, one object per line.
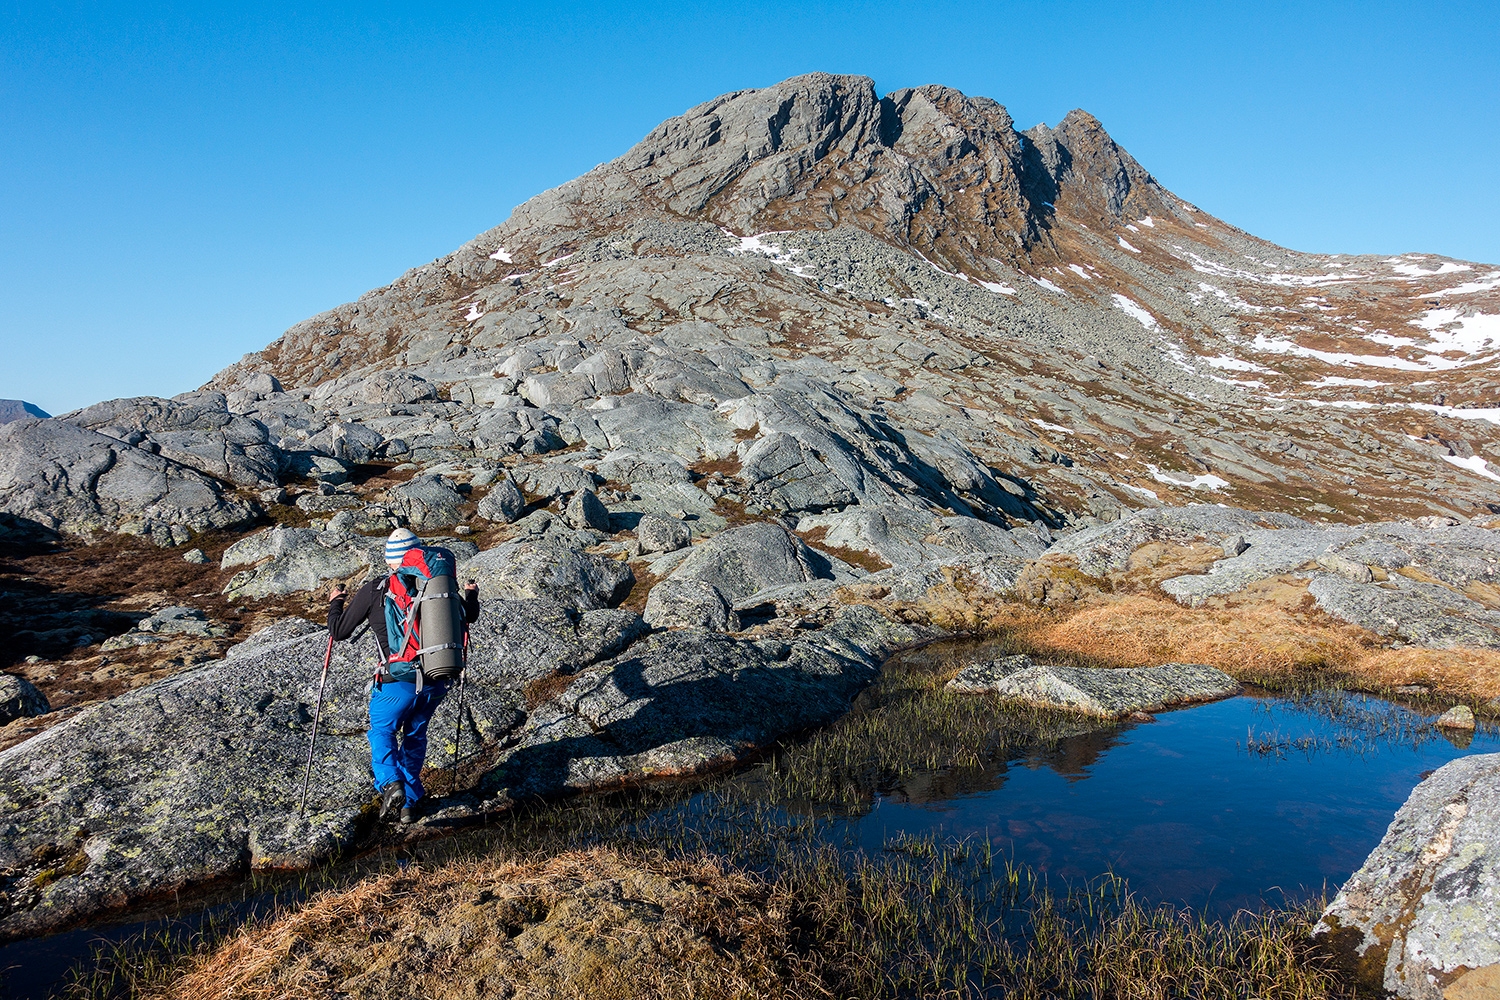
{"x":594,"y":924}
{"x":1268,"y":638}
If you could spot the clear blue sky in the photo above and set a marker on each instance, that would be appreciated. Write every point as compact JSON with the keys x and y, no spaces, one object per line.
{"x":179,"y":184}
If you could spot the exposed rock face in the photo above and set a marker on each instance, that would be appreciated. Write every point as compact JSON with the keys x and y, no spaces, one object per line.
{"x":19,"y":699}
{"x":288,"y":560}
{"x":503,"y":503}
{"x":902,"y":536}
{"x":744,"y":561}
{"x":81,"y":482}
{"x":427,"y":502}
{"x":549,"y":568}
{"x":196,"y":430}
{"x":1421,"y":917}
{"x":1110,"y":693}
{"x":196,"y":776}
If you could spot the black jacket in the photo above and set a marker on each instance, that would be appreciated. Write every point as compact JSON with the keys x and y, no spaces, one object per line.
{"x":368,"y":604}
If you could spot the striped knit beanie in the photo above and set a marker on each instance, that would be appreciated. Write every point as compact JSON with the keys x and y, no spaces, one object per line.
{"x":401,"y":542}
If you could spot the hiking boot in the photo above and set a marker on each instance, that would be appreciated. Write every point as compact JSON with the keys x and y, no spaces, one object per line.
{"x":408,"y":815}
{"x":392,"y":799}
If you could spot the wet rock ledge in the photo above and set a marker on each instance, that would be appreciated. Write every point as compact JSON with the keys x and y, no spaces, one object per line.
{"x":1110,"y":693}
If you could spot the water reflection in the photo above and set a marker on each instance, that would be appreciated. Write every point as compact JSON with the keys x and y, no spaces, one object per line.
{"x":1192,"y":809}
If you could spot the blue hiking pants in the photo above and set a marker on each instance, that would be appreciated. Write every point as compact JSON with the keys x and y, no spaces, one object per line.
{"x":399,"y":712}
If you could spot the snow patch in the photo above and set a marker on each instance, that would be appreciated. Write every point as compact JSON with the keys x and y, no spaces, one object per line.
{"x":1451,"y":332}
{"x":1141,"y":490}
{"x":1476,"y":465}
{"x":502,"y":255}
{"x":1079,"y":271}
{"x":1484,"y":283}
{"x":1404,"y":266}
{"x":1430,"y":363}
{"x":474,"y":312}
{"x":1207,"y":481}
{"x":1135,"y":310}
{"x":1052,"y":427}
{"x":1127,"y":246}
{"x":557,"y":260}
{"x":1048,"y":285}
{"x":998,"y":288}
{"x":1491,"y":413}
{"x":1149,"y":222}
{"x":1229,"y":364}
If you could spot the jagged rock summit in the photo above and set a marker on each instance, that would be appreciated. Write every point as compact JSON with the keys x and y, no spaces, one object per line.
{"x":15,"y":409}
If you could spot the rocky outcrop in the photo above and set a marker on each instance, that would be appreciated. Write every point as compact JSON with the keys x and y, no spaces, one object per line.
{"x":902,"y":536}
{"x":689,"y":604}
{"x":19,"y":699}
{"x":195,"y":429}
{"x":427,"y":502}
{"x":81,"y":482}
{"x":552,"y":568}
{"x":662,"y":534}
{"x":744,"y":561}
{"x":1111,"y":693}
{"x":289,"y":560}
{"x":1421,"y":917}
{"x":197,"y":776}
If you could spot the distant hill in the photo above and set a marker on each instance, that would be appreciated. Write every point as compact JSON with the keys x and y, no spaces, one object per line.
{"x":15,"y":409}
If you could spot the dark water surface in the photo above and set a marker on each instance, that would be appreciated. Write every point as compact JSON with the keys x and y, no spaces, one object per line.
{"x":1251,"y":801}
{"x":1216,"y":807}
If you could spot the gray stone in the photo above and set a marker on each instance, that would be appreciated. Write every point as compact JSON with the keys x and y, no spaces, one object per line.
{"x":1112,"y":693}
{"x":585,"y":511}
{"x":1421,"y":917}
{"x":1458,"y":717}
{"x":653,"y":467}
{"x":195,"y":556}
{"x":20,"y":700}
{"x":1425,"y":614}
{"x":689,"y":604}
{"x":1349,"y":569}
{"x":81,"y":482}
{"x":550,"y":480}
{"x":196,"y":430}
{"x":382,"y":387}
{"x":551,"y":569}
{"x":662,"y":534}
{"x":503,"y":503}
{"x":289,"y":560}
{"x":902,"y":536}
{"x":751,"y":558}
{"x":427,"y":502}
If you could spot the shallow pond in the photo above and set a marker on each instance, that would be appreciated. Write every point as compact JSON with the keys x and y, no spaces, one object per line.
{"x":1215,"y":807}
{"x":1249,"y":801}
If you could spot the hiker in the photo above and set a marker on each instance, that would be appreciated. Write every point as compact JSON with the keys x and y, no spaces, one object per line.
{"x":403,"y":695}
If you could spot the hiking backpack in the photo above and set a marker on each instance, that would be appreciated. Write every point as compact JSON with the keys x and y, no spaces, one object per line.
{"x":424,"y":617}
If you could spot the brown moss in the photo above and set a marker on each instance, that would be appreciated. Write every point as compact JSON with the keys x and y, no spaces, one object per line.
{"x":867,"y":561}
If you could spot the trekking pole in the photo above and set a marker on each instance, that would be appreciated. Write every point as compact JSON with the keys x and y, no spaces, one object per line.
{"x":458,"y":722}
{"x":317,"y":715}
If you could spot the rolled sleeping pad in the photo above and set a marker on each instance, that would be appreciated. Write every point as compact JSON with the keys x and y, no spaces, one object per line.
{"x":441,"y":621}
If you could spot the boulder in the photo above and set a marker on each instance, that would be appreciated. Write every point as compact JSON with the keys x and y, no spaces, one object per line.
{"x":19,"y":699}
{"x":1460,"y":717}
{"x":1111,"y":693}
{"x":751,"y":558}
{"x":427,"y":502}
{"x":689,"y":604}
{"x":662,"y":534}
{"x":1421,"y":917}
{"x":289,"y":560}
{"x":1425,"y":614}
{"x":79,"y":481}
{"x":550,"y":480}
{"x":382,"y":387}
{"x":549,"y":568}
{"x":503,"y":503}
{"x":585,"y":511}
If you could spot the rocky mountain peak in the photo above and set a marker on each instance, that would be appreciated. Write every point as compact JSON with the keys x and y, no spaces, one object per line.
{"x":928,"y":168}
